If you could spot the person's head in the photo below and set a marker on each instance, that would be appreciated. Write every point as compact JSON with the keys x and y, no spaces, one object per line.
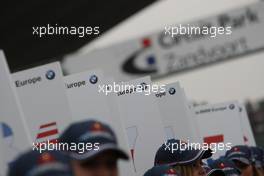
{"x":182,"y":157}
{"x":103,"y":164}
{"x":257,"y":158}
{"x":34,"y":163}
{"x":242,"y":157}
{"x":194,"y":169}
{"x":97,"y":151}
{"x":227,"y":166}
{"x":163,"y":170}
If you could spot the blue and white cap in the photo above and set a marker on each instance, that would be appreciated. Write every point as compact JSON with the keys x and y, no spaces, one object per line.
{"x":163,"y":170}
{"x":34,"y":163}
{"x":241,"y":153}
{"x":227,"y":166}
{"x":94,"y":133}
{"x":212,"y":171}
{"x":179,"y":156}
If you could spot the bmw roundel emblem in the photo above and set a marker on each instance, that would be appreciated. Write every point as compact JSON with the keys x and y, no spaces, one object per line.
{"x":231,"y":106}
{"x":93,"y":79}
{"x":50,"y":75}
{"x":172,"y":90}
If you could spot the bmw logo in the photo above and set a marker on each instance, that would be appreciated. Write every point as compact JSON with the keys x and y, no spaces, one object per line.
{"x":50,"y":75}
{"x":93,"y":79}
{"x":231,"y":106}
{"x":172,"y":90}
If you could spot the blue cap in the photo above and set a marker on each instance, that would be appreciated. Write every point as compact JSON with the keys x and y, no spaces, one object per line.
{"x":212,"y":172}
{"x":98,"y":135}
{"x":34,"y":163}
{"x":240,"y":153}
{"x":225,"y":165}
{"x":163,"y":170}
{"x":257,"y":156}
{"x":171,"y":153}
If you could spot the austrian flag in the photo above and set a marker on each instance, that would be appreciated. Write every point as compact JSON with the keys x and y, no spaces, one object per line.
{"x":48,"y":132}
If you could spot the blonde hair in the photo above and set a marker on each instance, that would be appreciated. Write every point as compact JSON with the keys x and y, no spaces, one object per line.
{"x":184,"y":170}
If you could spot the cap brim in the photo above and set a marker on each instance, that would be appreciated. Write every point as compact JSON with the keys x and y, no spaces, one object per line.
{"x":163,"y":170}
{"x":103,"y":148}
{"x":50,"y":169}
{"x":241,"y":159}
{"x":216,"y":172}
{"x":201,"y":154}
{"x":206,"y":154}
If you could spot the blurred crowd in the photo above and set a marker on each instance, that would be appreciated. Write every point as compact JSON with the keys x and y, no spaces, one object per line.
{"x":239,"y":160}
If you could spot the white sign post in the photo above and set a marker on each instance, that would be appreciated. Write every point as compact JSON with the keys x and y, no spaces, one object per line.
{"x":143,"y":124}
{"x":220,"y":123}
{"x":14,"y":136}
{"x":44,"y":101}
{"x":176,"y":115}
{"x":87,"y":102}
